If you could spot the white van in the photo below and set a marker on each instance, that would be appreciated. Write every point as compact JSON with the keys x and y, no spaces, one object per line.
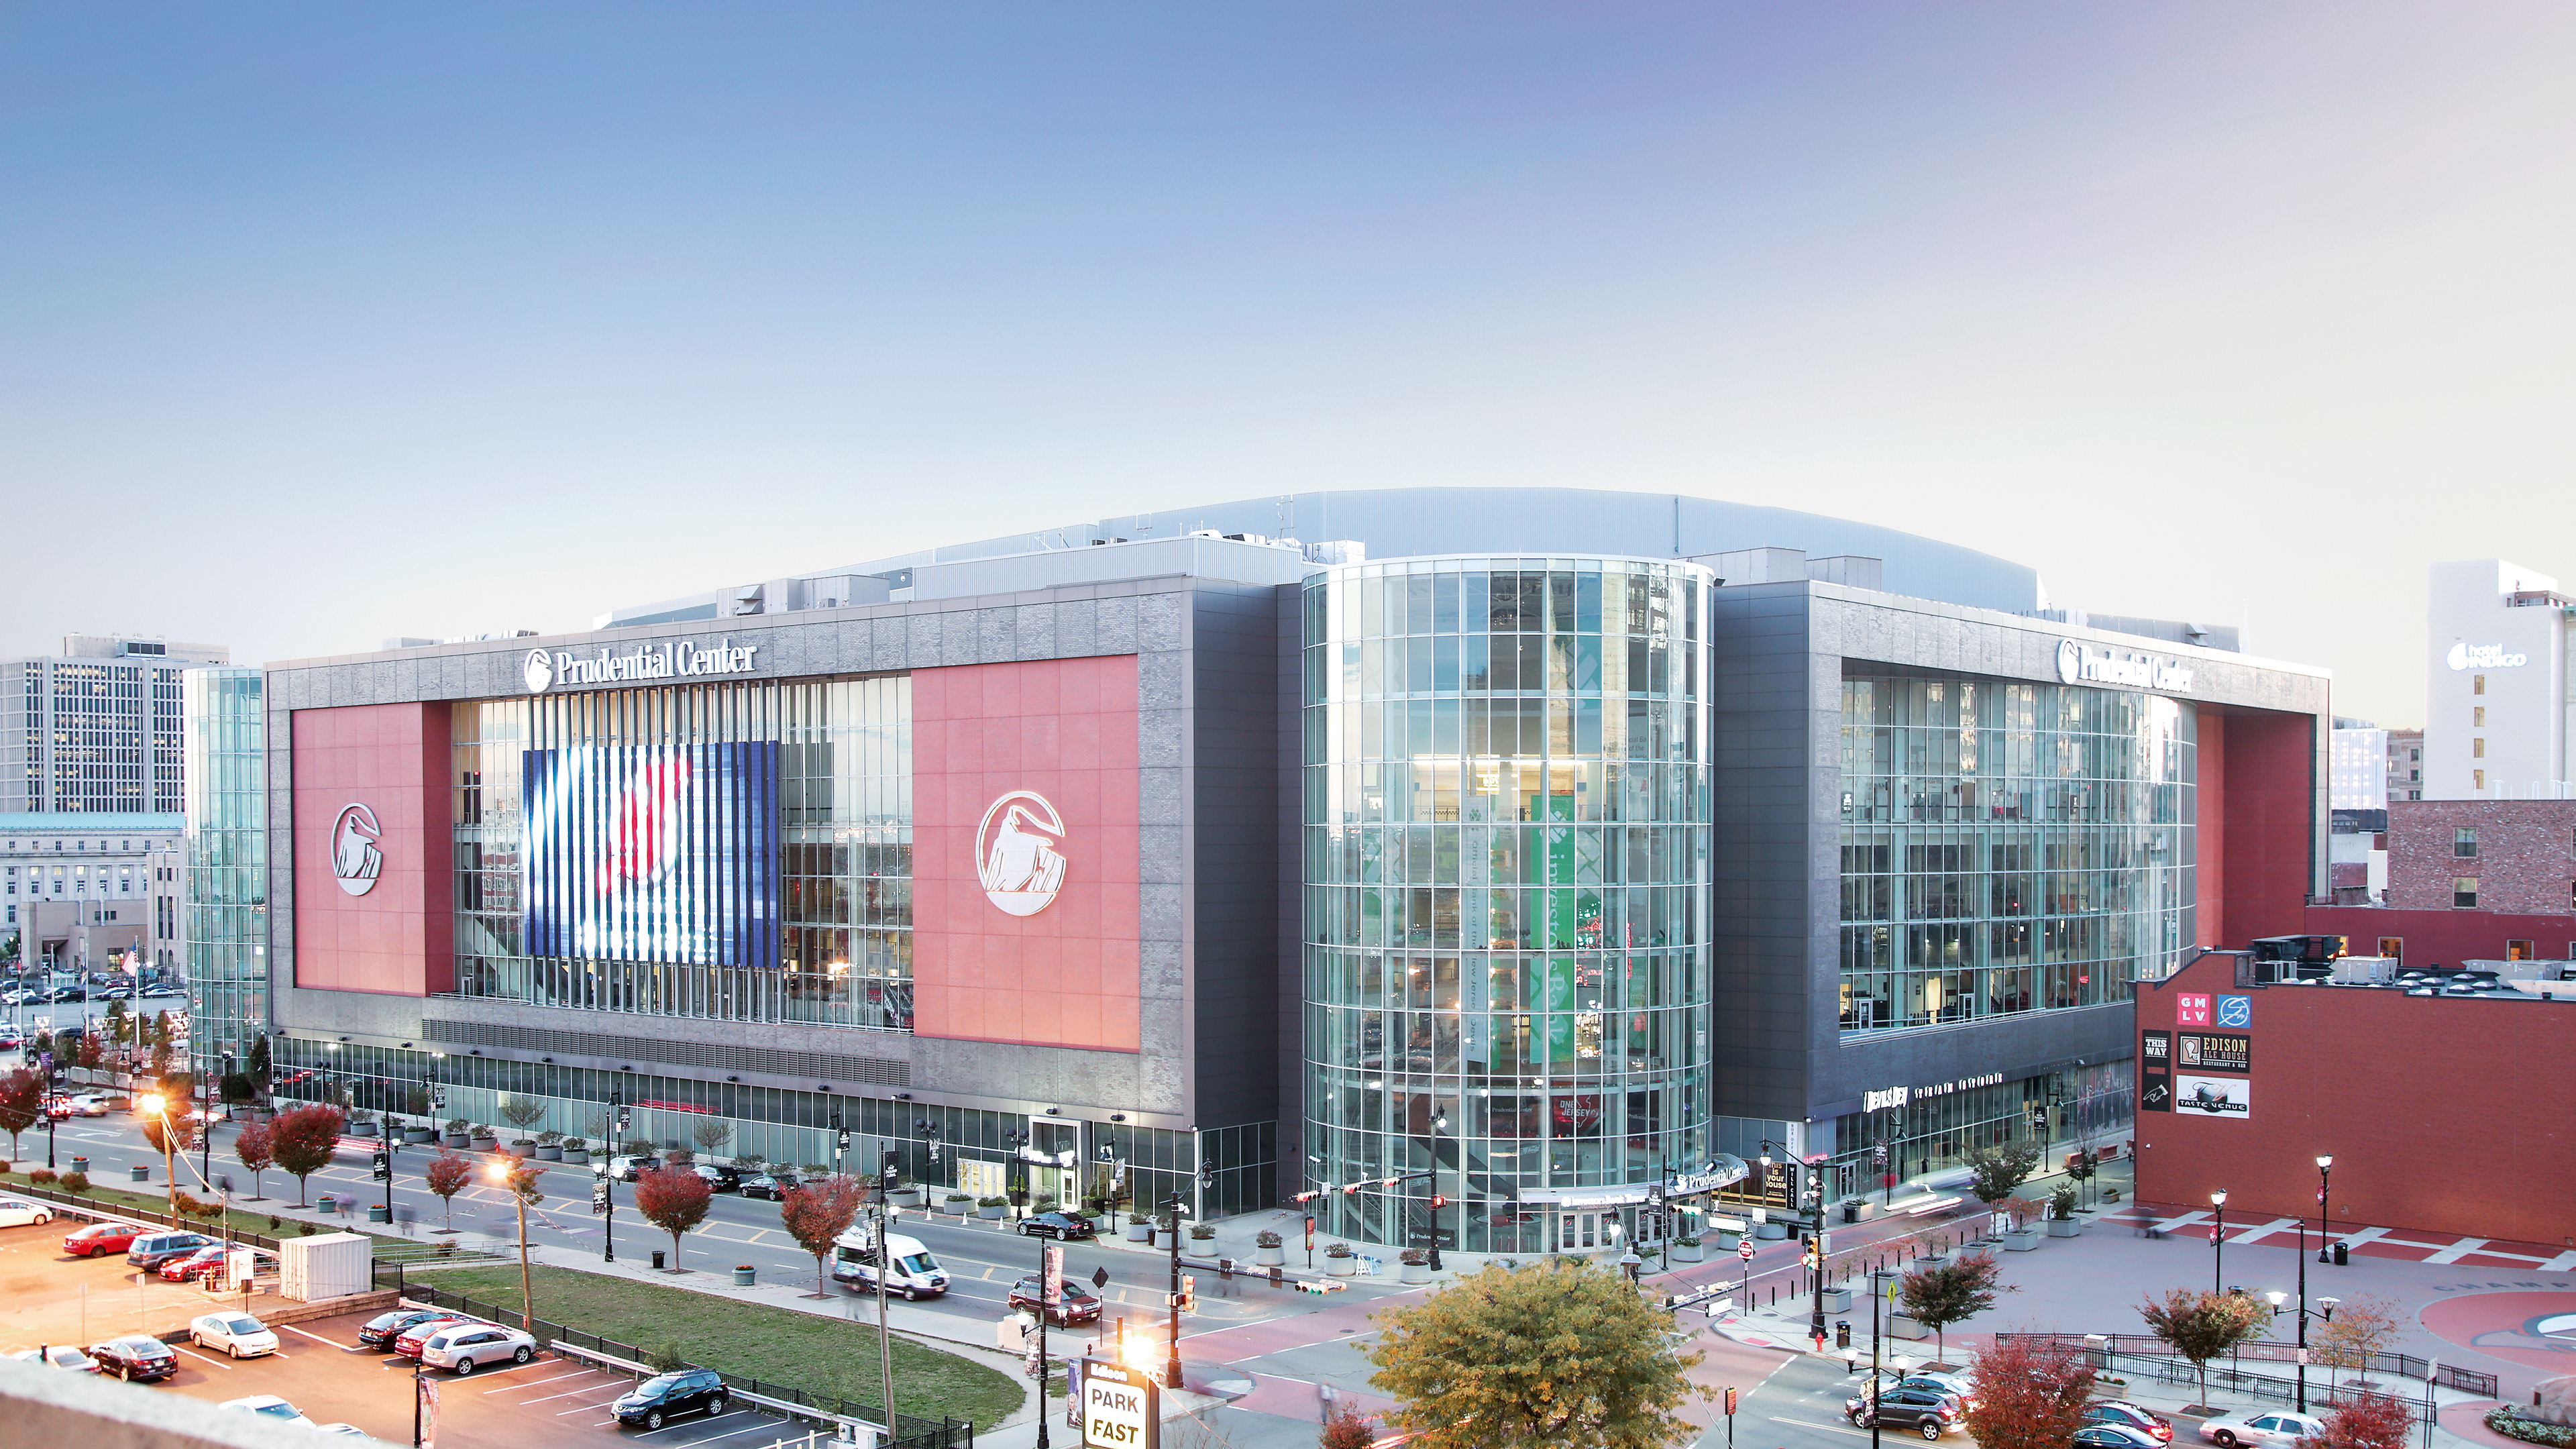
{"x":915,"y":1274}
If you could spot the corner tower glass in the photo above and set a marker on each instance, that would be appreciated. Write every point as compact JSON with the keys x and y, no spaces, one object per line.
{"x":1505,"y":915}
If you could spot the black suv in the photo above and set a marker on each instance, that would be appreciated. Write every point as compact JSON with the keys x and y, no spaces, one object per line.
{"x":136,"y":1358}
{"x":151,"y":1252}
{"x":766,"y":1185}
{"x":381,"y":1330}
{"x":670,"y":1395}
{"x":1925,"y":1411}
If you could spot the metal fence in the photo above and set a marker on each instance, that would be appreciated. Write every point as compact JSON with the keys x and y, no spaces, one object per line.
{"x":2400,"y":1365}
{"x":909,"y":1432}
{"x":385,"y":1249}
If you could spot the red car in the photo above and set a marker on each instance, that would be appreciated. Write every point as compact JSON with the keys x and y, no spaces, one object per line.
{"x":196,"y":1265}
{"x":419,"y":1333}
{"x":100,"y":1238}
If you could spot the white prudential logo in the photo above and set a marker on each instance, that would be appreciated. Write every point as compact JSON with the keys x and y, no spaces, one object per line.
{"x":539,"y":671}
{"x":2483,"y":656}
{"x":1017,"y":853}
{"x":355,"y":859}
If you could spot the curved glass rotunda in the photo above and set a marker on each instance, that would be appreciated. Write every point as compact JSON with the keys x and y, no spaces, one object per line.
{"x":1505,"y":919}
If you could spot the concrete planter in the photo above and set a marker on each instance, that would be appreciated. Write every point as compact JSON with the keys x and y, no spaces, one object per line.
{"x":2065,"y":1227}
{"x":1414,"y":1273}
{"x":1163,"y":1240}
{"x":1690,"y":1253}
{"x":483,"y":1144}
{"x":992,"y":1213}
{"x":1341,"y":1267}
{"x":419,"y":1134}
{"x":1199,"y":1247}
{"x":1859,"y":1212}
{"x":958,"y":1205}
{"x":1838,"y":1300}
{"x":1900,"y":1326}
{"x":905,"y":1197}
{"x":1729,"y":1242}
{"x":549,"y":1152}
{"x":363,"y":1129}
{"x":1771,"y":1231}
{"x":745,"y":1275}
{"x":454,"y":1139}
{"x":575,"y":1157}
{"x":141,"y":1173}
{"x":2020,"y":1241}
{"x":1270,"y":1257}
{"x":1140,"y":1232}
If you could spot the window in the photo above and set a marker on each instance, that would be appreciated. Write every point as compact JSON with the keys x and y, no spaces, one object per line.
{"x":2464,"y":842}
{"x":2478,"y":779}
{"x":2478,"y":748}
{"x":2393,"y":947}
{"x":2478,"y":685}
{"x":2464,"y":892}
{"x":2478,"y":716}
{"x":2518,"y":951}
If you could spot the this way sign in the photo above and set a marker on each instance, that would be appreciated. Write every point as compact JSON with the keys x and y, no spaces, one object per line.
{"x":1121,"y":1407}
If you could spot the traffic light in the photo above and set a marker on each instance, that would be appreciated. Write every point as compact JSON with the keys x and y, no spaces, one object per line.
{"x":1352,"y":1189}
{"x":1308,"y":1196}
{"x":625,"y":1119}
{"x":1807,"y":1252}
{"x":1842,"y":1333}
{"x":1189,"y":1292}
{"x":1438,"y":1202}
{"x":382,"y":1166}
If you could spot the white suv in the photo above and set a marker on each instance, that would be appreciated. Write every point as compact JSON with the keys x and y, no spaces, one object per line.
{"x":465,"y":1347}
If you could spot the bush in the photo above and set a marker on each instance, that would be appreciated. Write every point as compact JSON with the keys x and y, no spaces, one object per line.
{"x":1268,"y":1239}
{"x":2061,"y":1203}
{"x":1413,"y":1258}
{"x":1201,"y":1232}
{"x":1137,"y":1220}
{"x":576,"y":1144}
{"x":664,"y":1358}
{"x":1339,"y":1250}
{"x":456,"y":1125}
{"x":43,"y":1177}
{"x":1685,"y":1242}
{"x":75,"y":1182}
{"x":2512,"y":1425}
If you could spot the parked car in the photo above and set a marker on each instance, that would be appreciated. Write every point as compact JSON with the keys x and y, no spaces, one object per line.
{"x":67,"y":993}
{"x":408,"y":1342}
{"x":18,"y":1212}
{"x":1080,"y":1304}
{"x":117,"y":993}
{"x":2279,"y":1428}
{"x":667,"y":1396}
{"x":766,"y":1185}
{"x":2122,"y":1413}
{"x":238,"y":1334}
{"x":721,"y":1179}
{"x":1943,"y":1381}
{"x":57,"y":1355}
{"x":2116,"y":1436}
{"x":1926,"y":1411}
{"x":194,"y":1266}
{"x":1056,"y":1225}
{"x":464,"y":1346}
{"x":381,"y":1330}
{"x":269,"y":1407}
{"x":99,"y":1239}
{"x":90,"y":1104}
{"x":151,"y":1250}
{"x":163,"y":992}
{"x":137,"y":1358}
{"x":624,"y":1167}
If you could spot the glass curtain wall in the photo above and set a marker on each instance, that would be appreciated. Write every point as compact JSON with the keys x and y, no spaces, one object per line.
{"x":2009,"y":847}
{"x":226,"y":769}
{"x":1506,"y":834}
{"x":845,"y":868}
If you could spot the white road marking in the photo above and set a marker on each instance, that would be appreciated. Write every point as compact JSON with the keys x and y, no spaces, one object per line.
{"x":538,"y":1383}
{"x":2458,"y":1250}
{"x":192,"y":1353}
{"x":1833,"y":1428}
{"x":759,"y":1422}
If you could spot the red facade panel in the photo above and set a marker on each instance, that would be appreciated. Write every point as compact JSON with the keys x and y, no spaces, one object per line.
{"x":1025,"y":853}
{"x":2447,"y":1115}
{"x":373,"y":908}
{"x":2268,"y":816}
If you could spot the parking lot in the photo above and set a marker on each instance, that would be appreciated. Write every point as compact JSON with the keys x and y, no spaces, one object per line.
{"x":322,"y":1370}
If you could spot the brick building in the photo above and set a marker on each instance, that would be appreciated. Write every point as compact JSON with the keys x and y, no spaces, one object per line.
{"x":2517,"y":856}
{"x":2445,"y":1113}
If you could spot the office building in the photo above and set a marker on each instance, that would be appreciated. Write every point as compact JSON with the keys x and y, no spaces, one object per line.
{"x":225,"y":860}
{"x":2405,"y":764}
{"x":96,"y":729}
{"x":2496,"y":675}
{"x":2467,"y":881}
{"x":1550,"y":850}
{"x":92,"y":891}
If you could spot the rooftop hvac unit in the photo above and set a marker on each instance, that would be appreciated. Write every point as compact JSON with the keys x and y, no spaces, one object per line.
{"x":2365,"y":970}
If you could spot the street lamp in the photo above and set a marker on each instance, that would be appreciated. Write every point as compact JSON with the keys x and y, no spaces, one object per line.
{"x":1172,"y":1352}
{"x":1439,"y":1125}
{"x":2324,"y":1310}
{"x":2325,"y":1180}
{"x":151,"y":1105}
{"x":2218,"y":1241}
{"x":1631,"y":1262}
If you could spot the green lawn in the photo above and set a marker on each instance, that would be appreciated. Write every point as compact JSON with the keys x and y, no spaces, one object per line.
{"x":816,"y":1354}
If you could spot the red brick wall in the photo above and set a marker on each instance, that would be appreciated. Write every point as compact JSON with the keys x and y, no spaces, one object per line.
{"x":2210,"y":921}
{"x":2526,"y":860}
{"x":396,"y":938}
{"x":2444,"y":1115}
{"x":2444,"y":936}
{"x":2269,"y":809}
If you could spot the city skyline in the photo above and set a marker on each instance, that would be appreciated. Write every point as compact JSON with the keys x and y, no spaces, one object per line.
{"x":332,"y":327}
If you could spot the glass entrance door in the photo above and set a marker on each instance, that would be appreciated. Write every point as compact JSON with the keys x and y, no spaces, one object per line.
{"x":1578,"y":1233}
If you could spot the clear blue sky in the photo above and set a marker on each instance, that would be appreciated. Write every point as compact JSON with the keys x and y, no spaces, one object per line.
{"x":327,"y":323}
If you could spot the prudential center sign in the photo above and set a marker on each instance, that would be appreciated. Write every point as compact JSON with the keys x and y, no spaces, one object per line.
{"x":642,"y":664}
